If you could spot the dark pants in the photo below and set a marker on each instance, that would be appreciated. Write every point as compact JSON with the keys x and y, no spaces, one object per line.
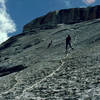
{"x":69,"y":46}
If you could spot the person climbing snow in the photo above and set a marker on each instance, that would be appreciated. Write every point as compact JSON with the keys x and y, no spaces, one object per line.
{"x":68,"y":42}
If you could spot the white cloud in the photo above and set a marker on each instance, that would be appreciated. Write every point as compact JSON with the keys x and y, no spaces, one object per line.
{"x":6,"y":23}
{"x":88,"y":2}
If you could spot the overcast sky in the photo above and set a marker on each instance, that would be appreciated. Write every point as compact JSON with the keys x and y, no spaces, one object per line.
{"x":14,"y":14}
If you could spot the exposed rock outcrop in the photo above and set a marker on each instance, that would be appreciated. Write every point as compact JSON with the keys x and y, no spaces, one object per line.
{"x":65,"y":16}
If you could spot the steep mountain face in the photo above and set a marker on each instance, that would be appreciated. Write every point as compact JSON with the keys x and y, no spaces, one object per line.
{"x":65,"y":16}
{"x":31,"y":71}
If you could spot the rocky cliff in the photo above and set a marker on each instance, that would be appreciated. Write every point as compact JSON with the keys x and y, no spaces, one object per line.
{"x":65,"y":16}
{"x":31,"y":71}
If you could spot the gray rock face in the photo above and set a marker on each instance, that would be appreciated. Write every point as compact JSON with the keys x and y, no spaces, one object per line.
{"x":31,"y":71}
{"x":65,"y":16}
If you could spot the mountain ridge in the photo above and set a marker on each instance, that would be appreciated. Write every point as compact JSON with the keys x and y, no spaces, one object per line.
{"x":64,"y":16}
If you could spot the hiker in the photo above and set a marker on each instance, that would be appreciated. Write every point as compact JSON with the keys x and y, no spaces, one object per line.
{"x":68,"y":42}
{"x":49,"y":44}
